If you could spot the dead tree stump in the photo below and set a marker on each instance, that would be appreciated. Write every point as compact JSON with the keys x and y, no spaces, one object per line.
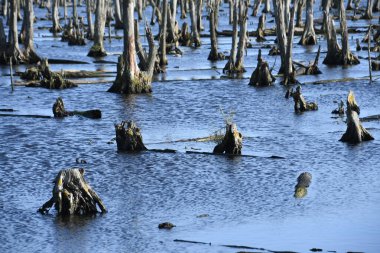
{"x":232,"y":142}
{"x":300,"y":104}
{"x":308,"y":36}
{"x":73,"y":195}
{"x":59,"y":111}
{"x":340,"y":109}
{"x":312,"y":69}
{"x":260,"y":37}
{"x":261,"y":76}
{"x":303,"y":182}
{"x":214,"y":54}
{"x":128,"y":137}
{"x":355,"y":132}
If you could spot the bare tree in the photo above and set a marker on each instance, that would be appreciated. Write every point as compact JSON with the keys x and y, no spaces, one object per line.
{"x":56,"y":28}
{"x":118,"y":18}
{"x":163,"y":31}
{"x":90,"y":26}
{"x":195,"y":38}
{"x":29,"y":52}
{"x":97,"y":50}
{"x":214,"y":55}
{"x":308,"y":36}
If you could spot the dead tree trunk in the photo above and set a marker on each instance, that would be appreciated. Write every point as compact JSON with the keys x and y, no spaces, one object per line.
{"x":239,"y":63}
{"x":255,"y":7}
{"x":195,"y":38}
{"x":199,"y":15}
{"x":231,"y":11}
{"x":260,"y":37}
{"x":130,"y":79}
{"x":349,"y":5}
{"x":299,"y":13}
{"x":155,"y":12}
{"x":97,"y":50}
{"x":368,"y":11}
{"x":90,"y":26}
{"x":59,"y":111}
{"x":266,"y":6}
{"x":183,"y":9}
{"x":214,"y":55}
{"x":163,"y":31}
{"x":73,"y":195}
{"x":312,"y":69}
{"x":128,"y":137}
{"x":56,"y":28}
{"x":29,"y":53}
{"x":13,"y":51}
{"x":229,"y":67}
{"x":355,"y":132}
{"x":3,"y":44}
{"x":262,"y":75}
{"x":139,"y":5}
{"x":308,"y":36}
{"x":289,"y":73}
{"x":300,"y":104}
{"x":75,"y":12}
{"x":232,"y":142}
{"x":118,"y":19}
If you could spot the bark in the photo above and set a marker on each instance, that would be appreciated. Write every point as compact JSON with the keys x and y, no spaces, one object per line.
{"x":56,"y":28}
{"x":262,"y":75}
{"x":368,"y":11}
{"x":349,"y":5}
{"x":308,"y":36}
{"x":229,"y":67}
{"x":195,"y":38}
{"x":29,"y":52}
{"x":231,"y":11}
{"x":300,"y":104}
{"x":289,"y":73}
{"x":3,"y":43}
{"x":97,"y":50}
{"x":214,"y":55}
{"x":232,"y":142}
{"x":59,"y":111}
{"x":129,"y":78}
{"x":340,"y":109}
{"x":128,"y":137}
{"x":118,"y":18}
{"x":163,"y":32}
{"x":156,"y":11}
{"x":280,"y":31}
{"x":261,"y":28}
{"x":90,"y":26}
{"x":355,"y":132}
{"x":73,"y":195}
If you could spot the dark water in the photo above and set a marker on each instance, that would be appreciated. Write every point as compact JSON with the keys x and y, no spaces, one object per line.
{"x":249,"y":201}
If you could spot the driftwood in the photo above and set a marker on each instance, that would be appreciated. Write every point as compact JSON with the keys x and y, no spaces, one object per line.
{"x":355,"y":132}
{"x":45,"y":77}
{"x":73,"y":195}
{"x":300,"y":104}
{"x":59,"y":111}
{"x":303,"y":182}
{"x":262,"y":75}
{"x":128,"y":137}
{"x":232,"y":142}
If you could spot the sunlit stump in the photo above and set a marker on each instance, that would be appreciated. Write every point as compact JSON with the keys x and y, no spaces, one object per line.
{"x":128,"y":137}
{"x":59,"y":111}
{"x":355,"y":132}
{"x":300,"y":104}
{"x":73,"y":195}
{"x":262,"y":75}
{"x":303,"y":182}
{"x":232,"y":142}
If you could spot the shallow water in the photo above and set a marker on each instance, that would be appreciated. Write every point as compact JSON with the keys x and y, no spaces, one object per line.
{"x":249,"y":201}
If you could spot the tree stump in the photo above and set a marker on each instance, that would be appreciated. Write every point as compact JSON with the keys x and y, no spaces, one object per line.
{"x":232,"y":142}
{"x":260,"y":37}
{"x":300,"y":104}
{"x":261,"y":76}
{"x":303,"y":182}
{"x":340,"y":109}
{"x":355,"y":132}
{"x":308,"y":36}
{"x":128,"y":137}
{"x":59,"y":111}
{"x":73,"y":195}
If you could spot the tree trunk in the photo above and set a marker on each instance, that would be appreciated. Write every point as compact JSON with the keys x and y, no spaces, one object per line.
{"x":3,"y":44}
{"x":229,"y":67}
{"x":256,"y":6}
{"x":262,"y":75}
{"x":239,"y":63}
{"x":97,"y":50}
{"x":75,"y":12}
{"x":128,"y":137}
{"x":214,"y":55}
{"x":195,"y":38}
{"x":355,"y":132}
{"x":289,"y":73}
{"x":29,"y":53}
{"x":163,"y":31}
{"x":347,"y":57}
{"x":261,"y":28}
{"x":118,"y":19}
{"x":183,"y":9}
{"x":90,"y":26}
{"x":139,"y":9}
{"x":56,"y":26}
{"x":266,"y":6}
{"x":368,"y":11}
{"x":129,"y":78}
{"x":232,"y":142}
{"x":308,"y":36}
{"x":231,"y":11}
{"x":199,"y":15}
{"x":349,"y":5}
{"x":280,"y":31}
{"x":13,"y":52}
{"x":73,"y":195}
{"x":300,"y":104}
{"x":299,"y":13}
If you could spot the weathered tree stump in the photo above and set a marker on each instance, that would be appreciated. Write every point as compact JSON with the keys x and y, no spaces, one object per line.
{"x":303,"y":182}
{"x":274,"y":50}
{"x":97,"y":49}
{"x":262,"y":75}
{"x":59,"y":111}
{"x":300,"y":104}
{"x":355,"y":132}
{"x":214,"y":54}
{"x":261,"y":28}
{"x":308,"y":36}
{"x":73,"y":34}
{"x":73,"y":195}
{"x":185,"y":36}
{"x":56,"y":28}
{"x":128,"y":137}
{"x":340,"y":109}
{"x":232,"y":142}
{"x":312,"y":69}
{"x":195,"y":38}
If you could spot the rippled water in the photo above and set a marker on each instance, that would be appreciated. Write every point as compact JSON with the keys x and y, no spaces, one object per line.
{"x":249,"y":201}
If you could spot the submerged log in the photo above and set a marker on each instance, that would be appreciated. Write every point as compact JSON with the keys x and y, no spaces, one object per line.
{"x":303,"y":182}
{"x":59,"y":111}
{"x":232,"y":142}
{"x":262,"y":75}
{"x":355,"y":132}
{"x":73,"y":195}
{"x":300,"y":104}
{"x":128,"y":137}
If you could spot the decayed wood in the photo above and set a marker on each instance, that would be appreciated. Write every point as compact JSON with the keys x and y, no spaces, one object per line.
{"x":368,"y":11}
{"x":308,"y":36}
{"x":73,"y":34}
{"x":195,"y":38}
{"x":90,"y":26}
{"x":303,"y":182}
{"x":355,"y":132}
{"x":59,"y":111}
{"x":185,"y":37}
{"x":73,"y":195}
{"x":128,"y":137}
{"x":260,"y":37}
{"x":163,"y":33}
{"x":312,"y":69}
{"x":300,"y":104}
{"x":97,"y":49}
{"x":56,"y":28}
{"x":29,"y":51}
{"x":340,"y":109}
{"x":255,"y":7}
{"x":214,"y":54}
{"x":232,"y":142}
{"x":262,"y":75}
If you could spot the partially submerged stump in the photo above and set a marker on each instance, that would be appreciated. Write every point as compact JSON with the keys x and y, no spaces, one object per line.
{"x":262,"y":75}
{"x":260,"y":37}
{"x":300,"y":104}
{"x":312,"y":69}
{"x":232,"y":142}
{"x":73,"y":195}
{"x":73,"y":34}
{"x":303,"y":182}
{"x":355,"y":132}
{"x":308,"y":36}
{"x":59,"y":111}
{"x":340,"y":109}
{"x":128,"y":137}
{"x":166,"y":225}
